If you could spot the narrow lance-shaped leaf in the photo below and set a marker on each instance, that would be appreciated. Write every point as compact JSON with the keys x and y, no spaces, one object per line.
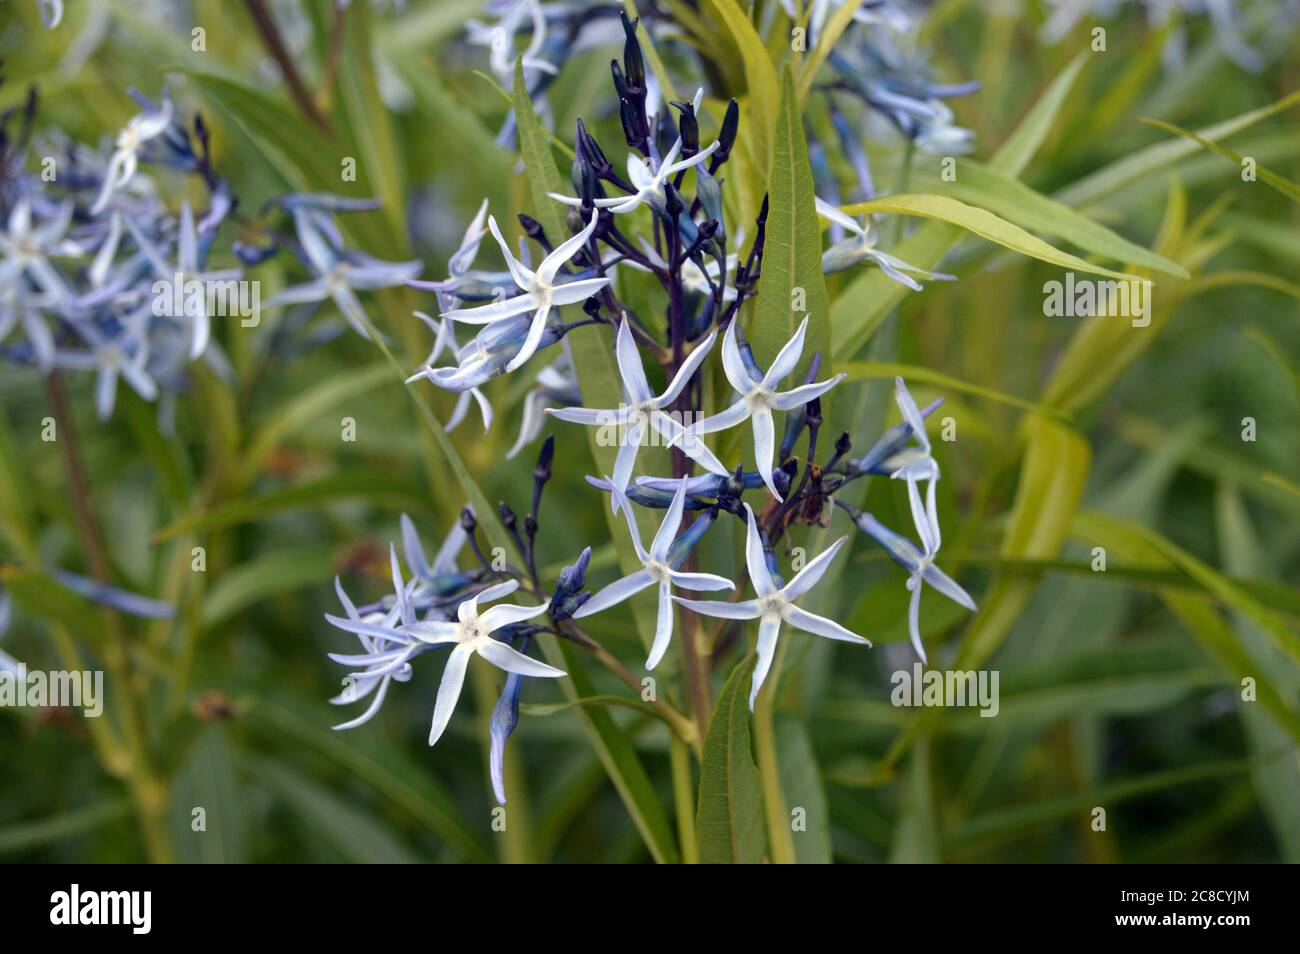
{"x":791,"y":285}
{"x":729,"y":819}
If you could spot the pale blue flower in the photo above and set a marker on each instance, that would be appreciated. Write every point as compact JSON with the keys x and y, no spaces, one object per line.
{"x":860,"y":245}
{"x":339,"y":272}
{"x":471,"y":633}
{"x":124,"y":161}
{"x":759,"y":397}
{"x":541,"y":290}
{"x":643,"y":411}
{"x":657,"y":569}
{"x":775,"y":603}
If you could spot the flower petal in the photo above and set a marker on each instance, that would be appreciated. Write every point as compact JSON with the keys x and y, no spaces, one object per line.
{"x":453,"y":679}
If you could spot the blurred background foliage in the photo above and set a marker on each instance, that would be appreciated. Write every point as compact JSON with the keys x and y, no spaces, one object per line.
{"x":1118,"y":689}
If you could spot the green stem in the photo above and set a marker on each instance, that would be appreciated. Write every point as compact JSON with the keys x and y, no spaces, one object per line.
{"x":679,"y":757}
{"x":148,"y":792}
{"x":779,"y":834}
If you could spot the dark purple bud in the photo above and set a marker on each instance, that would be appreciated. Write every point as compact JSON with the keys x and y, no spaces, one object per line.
{"x":727,"y":135}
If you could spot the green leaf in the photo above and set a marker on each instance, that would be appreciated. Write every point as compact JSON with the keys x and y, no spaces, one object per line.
{"x":916,"y":835}
{"x":397,"y":778}
{"x":381,"y":488}
{"x":618,"y":702}
{"x":1052,"y":479}
{"x":1161,"y":156}
{"x":45,"y":597}
{"x":308,"y":406}
{"x":1282,"y":185}
{"x":265,"y":575}
{"x":616,"y":754}
{"x":763,"y":92}
{"x":358,"y":835}
{"x":801,"y":783}
{"x":793,"y":251}
{"x":729,"y":817}
{"x":75,"y":823}
{"x":535,"y":148}
{"x":1014,"y":201}
{"x":862,"y":306}
{"x":875,"y":370}
{"x":982,"y":223}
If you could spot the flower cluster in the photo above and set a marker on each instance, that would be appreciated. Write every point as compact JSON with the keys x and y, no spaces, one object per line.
{"x":650,"y":221}
{"x":96,"y":272}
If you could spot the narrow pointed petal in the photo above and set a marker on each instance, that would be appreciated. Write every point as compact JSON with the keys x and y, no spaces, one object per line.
{"x":667,"y":531}
{"x":722,"y":609}
{"x":534,"y":338}
{"x":497,"y":591}
{"x":755,"y":559}
{"x":399,"y":587}
{"x":765,"y":446}
{"x":370,"y":710}
{"x":701,"y":581}
{"x":911,"y":413}
{"x":445,"y":560}
{"x":663,"y":627}
{"x":821,"y":626}
{"x":768,"y":630}
{"x":512,"y":660}
{"x":797,"y":397}
{"x":688,"y":369}
{"x":625,"y":460}
{"x":733,"y":365}
{"x":584,"y":415}
{"x":550,"y":266}
{"x":504,"y":614}
{"x":453,"y":679}
{"x":919,"y":518}
{"x":949,"y":587}
{"x":813,"y":571}
{"x":914,"y":622}
{"x":615,"y":593}
{"x":787,"y":359}
{"x":571,"y":293}
{"x":630,"y":368}
{"x":496,"y":311}
{"x":721,"y":421}
{"x":523,"y":276}
{"x":833,"y":214}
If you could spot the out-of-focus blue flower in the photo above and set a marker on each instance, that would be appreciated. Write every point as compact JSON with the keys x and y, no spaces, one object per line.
{"x":656,"y":570}
{"x":120,"y":348}
{"x":759,"y":397}
{"x":105,"y":595}
{"x":775,"y":603}
{"x":122,"y":164}
{"x":27,"y":248}
{"x":7,"y":662}
{"x":445,"y":339}
{"x":897,"y":85}
{"x":339,"y":272}
{"x":187,"y":276}
{"x":644,"y":411}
